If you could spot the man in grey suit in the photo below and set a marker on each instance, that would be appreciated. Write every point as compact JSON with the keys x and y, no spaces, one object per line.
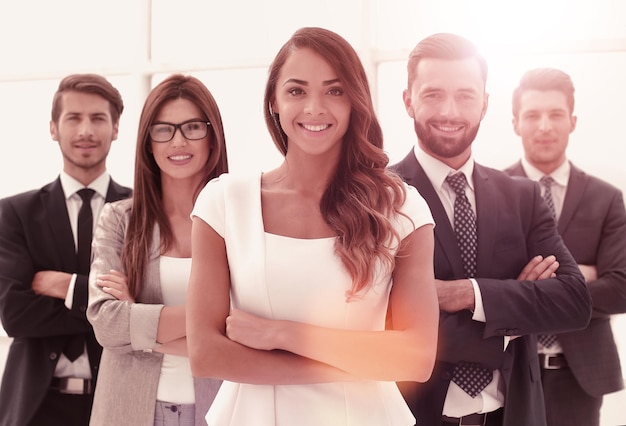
{"x":578,"y":367}
{"x":45,"y":253}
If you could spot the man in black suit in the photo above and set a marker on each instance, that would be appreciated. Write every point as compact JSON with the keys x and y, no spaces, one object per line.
{"x":503,"y":272}
{"x":578,"y":367}
{"x":45,"y":246}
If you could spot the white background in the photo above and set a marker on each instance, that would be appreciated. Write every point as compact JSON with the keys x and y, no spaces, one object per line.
{"x":229,"y":44}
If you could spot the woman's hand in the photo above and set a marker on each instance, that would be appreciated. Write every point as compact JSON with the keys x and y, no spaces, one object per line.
{"x":116,"y":284}
{"x":250,"y":330}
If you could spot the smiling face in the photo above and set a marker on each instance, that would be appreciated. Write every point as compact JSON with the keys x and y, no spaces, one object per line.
{"x":544,"y":122}
{"x":180,"y":158}
{"x":447,"y":102}
{"x":314,"y":111}
{"x":84,"y":131}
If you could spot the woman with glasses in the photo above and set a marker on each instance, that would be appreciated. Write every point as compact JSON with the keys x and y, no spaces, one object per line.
{"x":142,"y":262}
{"x":304,"y":261}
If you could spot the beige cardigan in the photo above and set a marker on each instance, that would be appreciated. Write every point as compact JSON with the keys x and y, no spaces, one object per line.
{"x":129,"y":371}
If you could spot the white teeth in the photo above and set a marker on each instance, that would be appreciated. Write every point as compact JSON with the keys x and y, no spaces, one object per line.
{"x":316,"y":128}
{"x":179,"y":157}
{"x":448,"y":129}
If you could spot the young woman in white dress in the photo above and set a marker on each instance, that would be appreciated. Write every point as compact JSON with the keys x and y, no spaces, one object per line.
{"x":142,"y":262}
{"x":293,"y":270}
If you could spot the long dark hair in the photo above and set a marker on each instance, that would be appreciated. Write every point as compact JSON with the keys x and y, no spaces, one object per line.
{"x":363,"y":194}
{"x":147,"y":208}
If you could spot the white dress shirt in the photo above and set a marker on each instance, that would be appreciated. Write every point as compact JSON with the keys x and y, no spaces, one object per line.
{"x":458,"y":403}
{"x":559,"y":187}
{"x":80,"y":367}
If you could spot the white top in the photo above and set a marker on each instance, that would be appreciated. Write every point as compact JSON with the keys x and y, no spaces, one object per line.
{"x":301,"y":280}
{"x":176,"y":381}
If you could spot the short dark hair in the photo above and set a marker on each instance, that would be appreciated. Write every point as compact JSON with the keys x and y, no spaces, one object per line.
{"x":444,"y":46}
{"x":88,"y":83}
{"x":544,"y":79}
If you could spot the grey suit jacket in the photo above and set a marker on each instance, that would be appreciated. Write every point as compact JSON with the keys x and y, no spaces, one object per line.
{"x":129,"y":370}
{"x":593,"y":227}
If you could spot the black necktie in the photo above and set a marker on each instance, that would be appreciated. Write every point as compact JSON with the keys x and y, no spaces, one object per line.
{"x":547,"y":340}
{"x":85,"y":229}
{"x":75,"y":345}
{"x":470,"y":377}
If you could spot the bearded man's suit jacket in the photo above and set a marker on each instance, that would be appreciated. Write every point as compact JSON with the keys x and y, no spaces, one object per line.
{"x":36,"y":235}
{"x":513,"y":225}
{"x":593,"y":227}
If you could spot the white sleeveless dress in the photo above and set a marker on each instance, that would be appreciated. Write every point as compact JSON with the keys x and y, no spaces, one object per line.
{"x":301,"y":280}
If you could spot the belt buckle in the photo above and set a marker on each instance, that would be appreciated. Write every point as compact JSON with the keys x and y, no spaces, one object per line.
{"x":475,"y":419}
{"x":74,"y":386}
{"x":546,"y":362}
{"x":483,"y":421}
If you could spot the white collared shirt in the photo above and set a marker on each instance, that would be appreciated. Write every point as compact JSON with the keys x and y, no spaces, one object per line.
{"x":80,"y":367}
{"x":559,"y":187}
{"x":73,"y":201}
{"x":458,"y":403}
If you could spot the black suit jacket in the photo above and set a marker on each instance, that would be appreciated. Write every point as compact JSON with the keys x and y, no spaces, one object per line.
{"x":35,"y":235}
{"x":593,"y":227}
{"x":513,"y":225}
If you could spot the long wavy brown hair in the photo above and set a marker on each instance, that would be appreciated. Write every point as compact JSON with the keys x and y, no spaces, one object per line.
{"x":147,"y":207}
{"x":363,"y":195}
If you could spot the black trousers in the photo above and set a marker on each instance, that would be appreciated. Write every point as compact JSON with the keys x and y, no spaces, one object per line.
{"x":63,"y":409}
{"x":567,"y":403}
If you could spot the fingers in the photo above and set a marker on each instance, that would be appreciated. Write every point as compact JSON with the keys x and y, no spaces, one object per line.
{"x":529,"y":267}
{"x":113,"y":292}
{"x":112,"y":279}
{"x":118,"y":293}
{"x":551,"y":268}
{"x":114,"y":276}
{"x":115,"y":284}
{"x":104,"y":282}
{"x":539,"y":268}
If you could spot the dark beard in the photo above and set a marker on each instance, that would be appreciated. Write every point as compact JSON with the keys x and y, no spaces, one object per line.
{"x":441,"y":146}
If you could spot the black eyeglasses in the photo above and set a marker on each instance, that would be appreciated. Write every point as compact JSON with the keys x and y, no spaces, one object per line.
{"x":192,"y":130}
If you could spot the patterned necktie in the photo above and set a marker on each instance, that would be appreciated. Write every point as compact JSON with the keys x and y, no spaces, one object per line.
{"x":469,"y":376}
{"x":75,"y":345}
{"x":547,"y":340}
{"x":464,"y":223}
{"x":547,"y":183}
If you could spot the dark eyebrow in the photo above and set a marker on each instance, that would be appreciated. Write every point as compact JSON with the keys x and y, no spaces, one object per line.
{"x":430,"y":89}
{"x":191,"y":120}
{"x":80,"y":114}
{"x":468,"y":90}
{"x":305,"y":83}
{"x":550,"y":111}
{"x":329,"y":82}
